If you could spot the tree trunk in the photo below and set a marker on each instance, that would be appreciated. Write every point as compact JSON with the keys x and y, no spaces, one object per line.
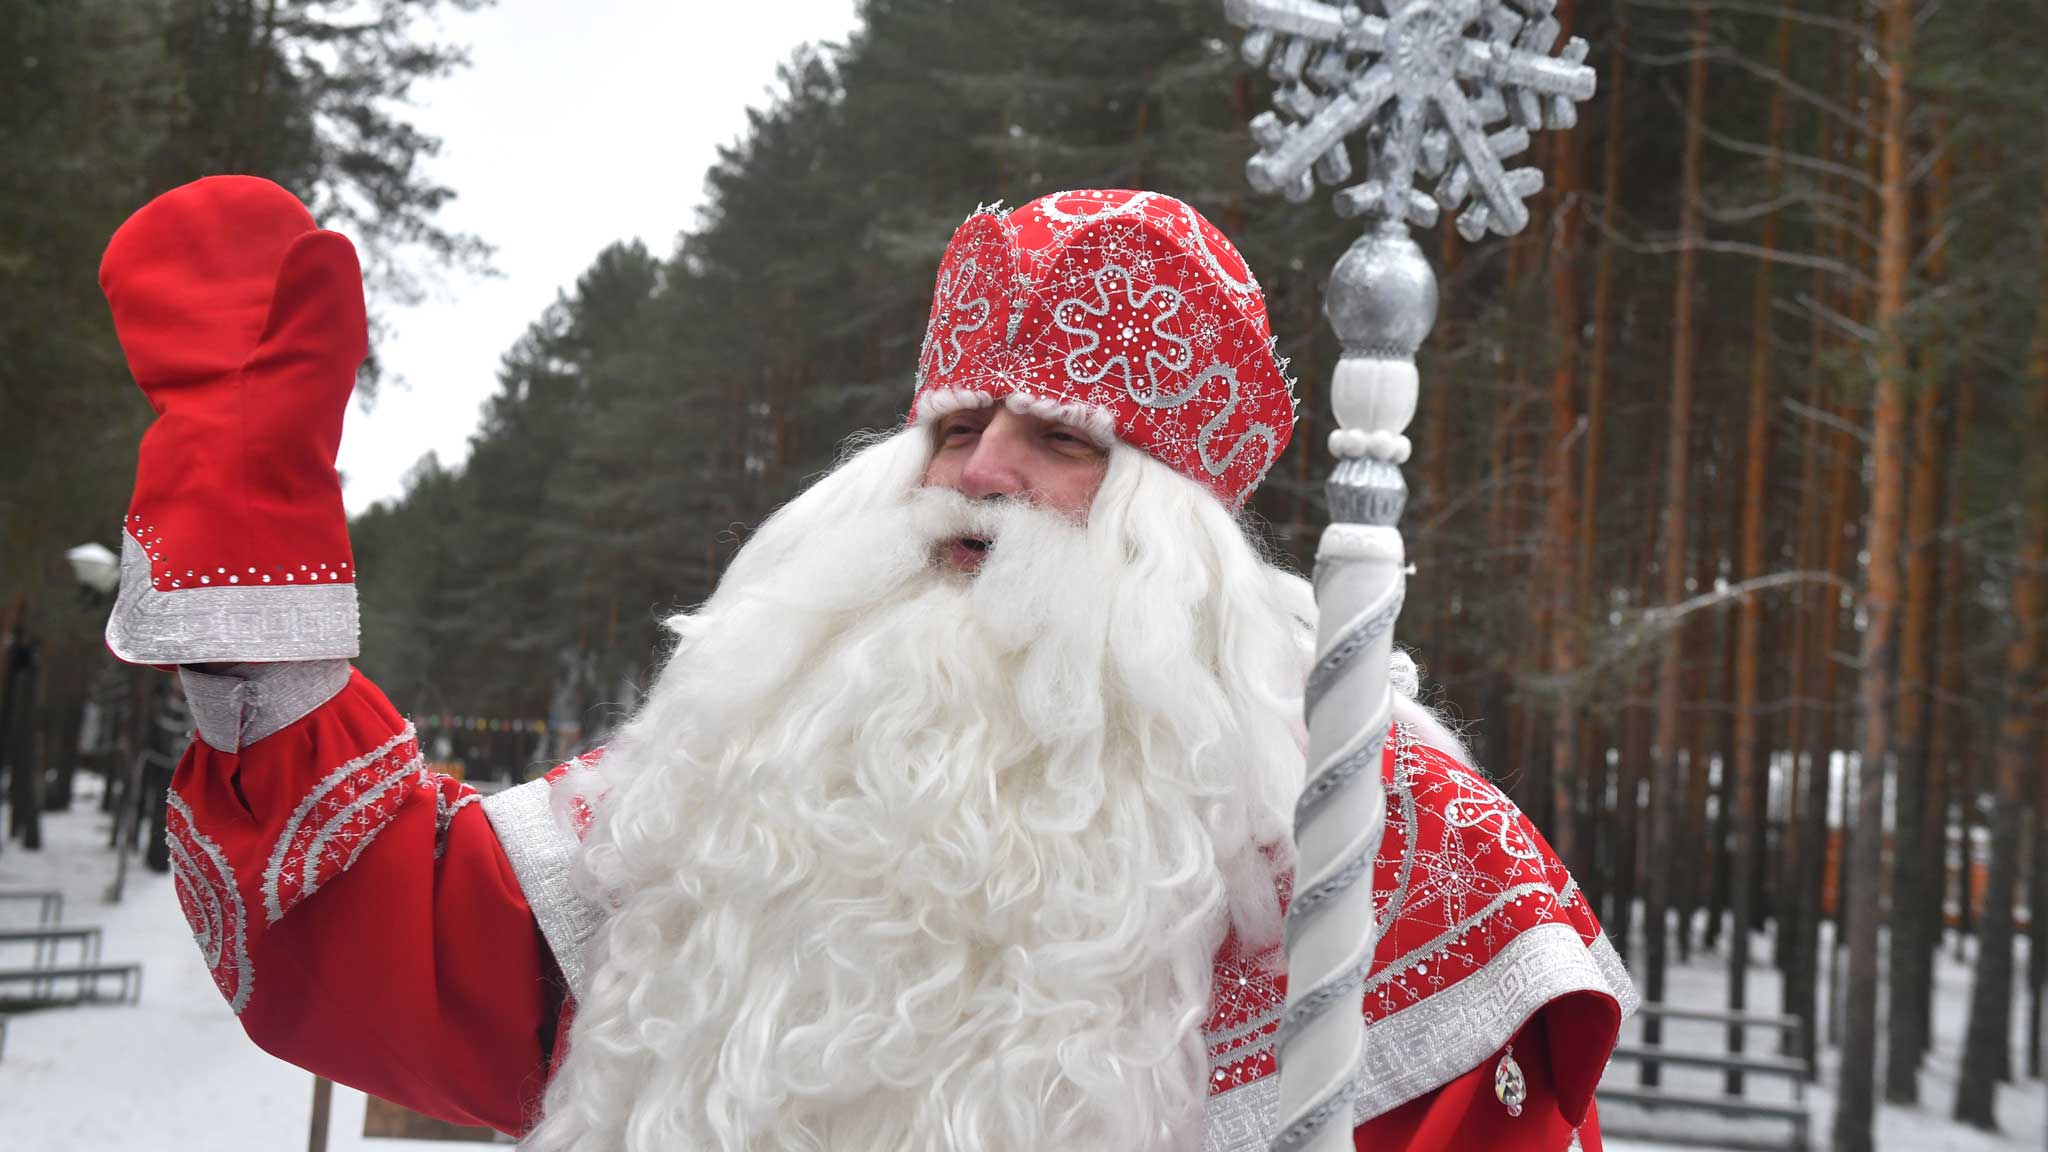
{"x":1586,"y":567}
{"x":1502,"y":540}
{"x":1706,"y":689}
{"x":1856,"y":1109}
{"x":1677,"y":474}
{"x":1564,"y":618}
{"x":1911,"y":848}
{"x":1969,"y":788}
{"x":1987,"y":1042}
{"x":1521,"y":529}
{"x":1596,"y":825}
{"x":1749,"y":618}
{"x":1951,"y":601}
{"x":1803,"y":612}
{"x":2037,"y":912}
{"x":1811,"y":603}
{"x":1633,"y":770}
{"x":1919,"y":852}
{"x":1822,"y":730}
{"x":18,"y":665}
{"x":1813,"y":722}
{"x":1628,"y":815}
{"x":1436,"y":466}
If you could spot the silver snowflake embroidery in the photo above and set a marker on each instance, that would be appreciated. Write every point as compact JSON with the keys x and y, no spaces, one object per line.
{"x":1445,"y":90}
{"x":1123,"y":249}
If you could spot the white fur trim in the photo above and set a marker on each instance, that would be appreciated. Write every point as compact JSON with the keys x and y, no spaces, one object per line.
{"x":1098,"y":423}
{"x":940,"y":403}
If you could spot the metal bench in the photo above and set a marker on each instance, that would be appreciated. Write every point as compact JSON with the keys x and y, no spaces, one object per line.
{"x":45,"y":985}
{"x":49,"y":940}
{"x":49,"y":902}
{"x":1793,"y":1069}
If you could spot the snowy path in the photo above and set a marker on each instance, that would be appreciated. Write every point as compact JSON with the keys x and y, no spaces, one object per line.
{"x":173,"y":1074}
{"x":1925,"y":1128}
{"x":176,"y":1074}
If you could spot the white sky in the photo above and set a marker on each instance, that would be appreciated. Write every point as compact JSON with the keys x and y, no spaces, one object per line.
{"x":575,"y":125}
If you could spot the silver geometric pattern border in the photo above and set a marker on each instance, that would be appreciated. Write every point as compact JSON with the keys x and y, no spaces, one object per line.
{"x":223,"y":625}
{"x":1429,"y":1044}
{"x":542,"y":849}
{"x":252,"y":701}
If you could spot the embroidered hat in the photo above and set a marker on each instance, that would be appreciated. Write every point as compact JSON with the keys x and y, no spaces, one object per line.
{"x":243,"y":322}
{"x":1123,"y":313}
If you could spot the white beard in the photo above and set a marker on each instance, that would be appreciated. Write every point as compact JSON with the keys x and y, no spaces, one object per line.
{"x":909,"y":860}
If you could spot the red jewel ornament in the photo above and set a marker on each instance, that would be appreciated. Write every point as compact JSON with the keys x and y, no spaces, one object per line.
{"x":1122,"y":312}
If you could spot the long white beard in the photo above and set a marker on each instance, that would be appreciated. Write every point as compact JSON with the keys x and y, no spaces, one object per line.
{"x":908,"y":860}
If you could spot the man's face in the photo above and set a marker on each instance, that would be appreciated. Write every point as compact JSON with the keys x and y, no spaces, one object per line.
{"x":994,"y":452}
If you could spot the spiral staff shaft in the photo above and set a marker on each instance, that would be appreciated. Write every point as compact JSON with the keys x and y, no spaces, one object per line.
{"x":1447,"y":90}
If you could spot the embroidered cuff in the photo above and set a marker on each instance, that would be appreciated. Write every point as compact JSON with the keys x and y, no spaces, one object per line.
{"x":238,"y":707}
{"x":542,"y":848}
{"x":216,"y":624}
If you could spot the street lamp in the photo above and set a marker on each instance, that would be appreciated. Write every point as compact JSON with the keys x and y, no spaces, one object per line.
{"x":98,"y":572}
{"x":95,"y":567}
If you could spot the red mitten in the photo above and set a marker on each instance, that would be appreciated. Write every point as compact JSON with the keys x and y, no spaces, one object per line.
{"x":243,"y":322}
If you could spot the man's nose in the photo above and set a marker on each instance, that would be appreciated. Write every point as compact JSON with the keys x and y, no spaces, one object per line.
{"x":997,"y":466}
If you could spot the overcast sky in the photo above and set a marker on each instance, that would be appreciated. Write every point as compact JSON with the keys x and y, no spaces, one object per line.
{"x":574,"y":126}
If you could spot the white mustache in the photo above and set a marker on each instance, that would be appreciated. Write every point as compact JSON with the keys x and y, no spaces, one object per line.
{"x":939,"y":515}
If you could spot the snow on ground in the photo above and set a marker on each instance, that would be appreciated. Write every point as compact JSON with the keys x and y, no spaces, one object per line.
{"x":1703,"y":983}
{"x":176,"y":1074}
{"x":172,"y":1074}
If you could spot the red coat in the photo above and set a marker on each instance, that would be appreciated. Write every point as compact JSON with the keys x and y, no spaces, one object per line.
{"x":386,"y":927}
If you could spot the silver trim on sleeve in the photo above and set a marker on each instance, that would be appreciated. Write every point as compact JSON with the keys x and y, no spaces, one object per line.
{"x":542,"y":848}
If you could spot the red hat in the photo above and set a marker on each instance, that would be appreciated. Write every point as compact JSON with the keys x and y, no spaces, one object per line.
{"x":1124,"y":313}
{"x":243,"y":322}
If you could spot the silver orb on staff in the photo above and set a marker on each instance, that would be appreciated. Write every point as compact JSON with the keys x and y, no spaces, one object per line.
{"x":1444,"y":92}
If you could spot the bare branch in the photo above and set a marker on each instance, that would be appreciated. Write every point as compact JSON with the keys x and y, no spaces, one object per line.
{"x":1965,"y":530}
{"x":1938,"y":240}
{"x":1743,"y":213}
{"x":1853,"y":175}
{"x":1862,"y":333}
{"x":1967,"y":702}
{"x":1925,"y":164}
{"x":1741,"y":248}
{"x":1502,"y":479}
{"x":1668,"y":59}
{"x":1799,"y":160}
{"x":1849,"y":28}
{"x":1652,"y":625}
{"x":1821,"y":416}
{"x":1845,"y":224}
{"x":1667,"y":616}
{"x":1800,"y":92}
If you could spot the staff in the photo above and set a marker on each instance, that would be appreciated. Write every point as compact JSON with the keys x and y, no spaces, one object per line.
{"x":1447,"y":90}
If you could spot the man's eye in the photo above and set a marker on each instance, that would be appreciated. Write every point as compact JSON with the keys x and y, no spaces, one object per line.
{"x":954,"y":431}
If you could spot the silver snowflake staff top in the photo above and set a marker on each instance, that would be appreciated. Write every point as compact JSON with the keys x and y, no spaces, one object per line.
{"x":1446,"y":89}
